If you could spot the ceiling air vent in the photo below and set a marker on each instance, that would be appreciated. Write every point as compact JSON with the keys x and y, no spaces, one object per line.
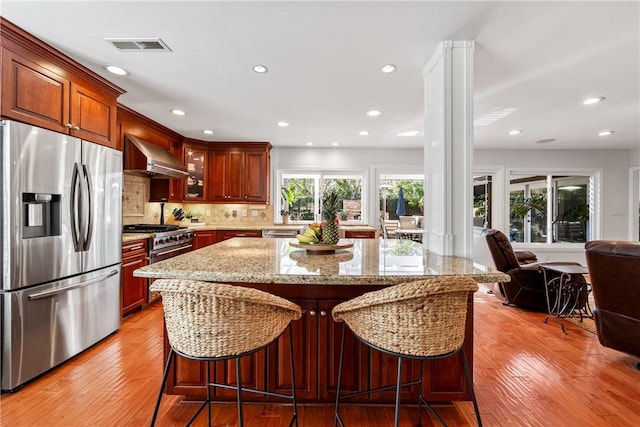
{"x":150,"y":45}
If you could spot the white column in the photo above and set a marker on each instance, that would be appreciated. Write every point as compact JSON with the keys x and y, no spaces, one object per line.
{"x":448,"y":153}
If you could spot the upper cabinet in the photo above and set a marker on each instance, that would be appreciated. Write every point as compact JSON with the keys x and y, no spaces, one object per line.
{"x":133,"y":123}
{"x":43,"y":87}
{"x":195,"y":159}
{"x":239,"y":172}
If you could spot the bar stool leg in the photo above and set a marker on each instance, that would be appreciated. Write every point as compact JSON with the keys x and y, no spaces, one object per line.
{"x":293,"y":380}
{"x":208,"y":379}
{"x":420,"y":397}
{"x":398,"y":382}
{"x":164,"y":382}
{"x":336,"y":418}
{"x":470,"y":383}
{"x":239,"y":392}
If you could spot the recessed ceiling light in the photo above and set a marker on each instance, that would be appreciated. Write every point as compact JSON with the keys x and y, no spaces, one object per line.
{"x":409,"y":133}
{"x":374,"y":113}
{"x":178,"y":112}
{"x":364,"y":132}
{"x":515,"y":132}
{"x":283,"y":124}
{"x":207,"y":132}
{"x":335,"y":144}
{"x":389,"y":68}
{"x":606,"y":132}
{"x":590,"y":101}
{"x":261,"y":69}
{"x":309,"y":143}
{"x":116,"y":70}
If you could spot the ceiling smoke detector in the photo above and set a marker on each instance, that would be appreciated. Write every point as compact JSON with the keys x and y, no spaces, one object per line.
{"x":150,"y":45}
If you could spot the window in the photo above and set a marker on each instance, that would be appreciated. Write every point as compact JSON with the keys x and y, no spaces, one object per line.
{"x":307,"y":190}
{"x":412,"y":203}
{"x":550,"y":208}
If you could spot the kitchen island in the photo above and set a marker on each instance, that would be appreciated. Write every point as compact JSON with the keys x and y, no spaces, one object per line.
{"x":317,"y":283}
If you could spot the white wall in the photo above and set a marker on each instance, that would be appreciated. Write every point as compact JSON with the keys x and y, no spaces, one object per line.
{"x":634,"y":158}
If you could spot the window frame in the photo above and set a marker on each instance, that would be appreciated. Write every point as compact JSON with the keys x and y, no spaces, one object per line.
{"x":595,"y":213}
{"x":320,"y":174}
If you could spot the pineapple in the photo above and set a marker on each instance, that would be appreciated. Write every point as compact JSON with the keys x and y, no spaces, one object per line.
{"x":330,"y":208}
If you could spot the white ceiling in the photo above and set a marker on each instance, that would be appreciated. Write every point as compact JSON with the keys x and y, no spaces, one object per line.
{"x":536,"y":60}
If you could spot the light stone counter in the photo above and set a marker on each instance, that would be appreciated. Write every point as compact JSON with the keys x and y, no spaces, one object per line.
{"x":274,"y":261}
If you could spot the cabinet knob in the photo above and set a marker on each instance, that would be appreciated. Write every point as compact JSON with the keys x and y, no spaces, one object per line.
{"x":76,"y":128}
{"x":68,"y":125}
{"x":246,"y":197}
{"x":312,"y":312}
{"x":323,"y":313}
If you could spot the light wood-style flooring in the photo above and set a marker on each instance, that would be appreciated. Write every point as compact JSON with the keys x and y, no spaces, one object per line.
{"x":527,"y":373}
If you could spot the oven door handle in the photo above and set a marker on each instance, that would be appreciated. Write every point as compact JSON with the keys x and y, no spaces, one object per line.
{"x":158,"y":254}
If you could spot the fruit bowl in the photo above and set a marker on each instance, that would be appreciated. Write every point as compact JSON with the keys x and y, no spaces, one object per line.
{"x":319,"y":247}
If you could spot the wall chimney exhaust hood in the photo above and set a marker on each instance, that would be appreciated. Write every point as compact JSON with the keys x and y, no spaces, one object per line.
{"x":146,"y":159}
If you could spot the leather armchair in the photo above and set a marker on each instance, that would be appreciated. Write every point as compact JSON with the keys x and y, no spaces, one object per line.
{"x":526,"y":288}
{"x":614,"y":271}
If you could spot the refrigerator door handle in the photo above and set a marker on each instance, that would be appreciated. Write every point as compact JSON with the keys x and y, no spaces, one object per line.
{"x":47,"y":294}
{"x":75,"y":231}
{"x":89,"y":222}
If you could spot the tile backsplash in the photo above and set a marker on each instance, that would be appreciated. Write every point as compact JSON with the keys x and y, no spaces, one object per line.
{"x":136,"y":209}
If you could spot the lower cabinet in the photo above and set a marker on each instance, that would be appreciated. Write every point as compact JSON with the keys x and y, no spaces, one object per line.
{"x":203,"y":238}
{"x":223,"y":235}
{"x":359,"y":234}
{"x":316,"y":348}
{"x":133,"y":289}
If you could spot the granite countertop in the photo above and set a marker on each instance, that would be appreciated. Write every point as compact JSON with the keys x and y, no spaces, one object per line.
{"x":368,"y":262}
{"x":196,"y":227}
{"x":128,"y":237}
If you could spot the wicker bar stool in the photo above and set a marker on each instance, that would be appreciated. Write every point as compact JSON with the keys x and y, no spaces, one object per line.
{"x":422,"y":320}
{"x":212,"y":321}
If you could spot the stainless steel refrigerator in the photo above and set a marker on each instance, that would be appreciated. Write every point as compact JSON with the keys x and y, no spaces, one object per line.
{"x":61,"y":225}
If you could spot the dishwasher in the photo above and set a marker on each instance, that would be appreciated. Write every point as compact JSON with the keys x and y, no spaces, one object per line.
{"x":284,"y":234}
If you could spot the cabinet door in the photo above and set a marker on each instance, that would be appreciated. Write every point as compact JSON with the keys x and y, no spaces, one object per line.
{"x":256,"y":185}
{"x":234,"y":179}
{"x":33,"y":94}
{"x":305,"y":338}
{"x":195,"y":160}
{"x":355,"y":368}
{"x":203,"y":238}
{"x":134,"y":289}
{"x":217,"y":174}
{"x":93,"y":116}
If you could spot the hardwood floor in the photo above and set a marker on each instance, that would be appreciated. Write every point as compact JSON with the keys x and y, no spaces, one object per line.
{"x":527,"y":373}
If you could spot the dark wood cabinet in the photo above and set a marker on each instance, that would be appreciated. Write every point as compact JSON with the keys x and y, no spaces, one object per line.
{"x":359,"y":234}
{"x":316,"y":342}
{"x":195,"y":160}
{"x":239,"y":173}
{"x":202,"y":238}
{"x":133,"y":123}
{"x":222,"y":235}
{"x":133,"y":289}
{"x":43,"y":87}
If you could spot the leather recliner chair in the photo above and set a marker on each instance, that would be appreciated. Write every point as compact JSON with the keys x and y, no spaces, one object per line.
{"x":614,"y":271}
{"x":527,"y":287}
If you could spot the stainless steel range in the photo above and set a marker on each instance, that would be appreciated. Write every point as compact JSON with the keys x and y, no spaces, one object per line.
{"x":166,"y":242}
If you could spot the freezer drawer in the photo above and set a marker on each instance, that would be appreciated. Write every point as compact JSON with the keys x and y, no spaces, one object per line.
{"x":45,"y":325}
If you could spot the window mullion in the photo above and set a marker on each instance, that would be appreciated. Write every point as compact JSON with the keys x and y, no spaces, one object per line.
{"x":551,"y":197}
